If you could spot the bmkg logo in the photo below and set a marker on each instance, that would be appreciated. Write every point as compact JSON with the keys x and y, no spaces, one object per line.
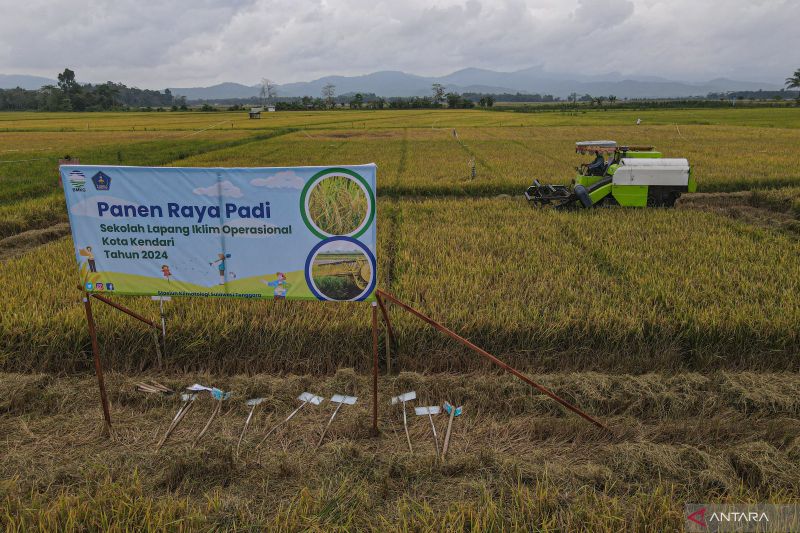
{"x":77,"y":180}
{"x":102,"y":182}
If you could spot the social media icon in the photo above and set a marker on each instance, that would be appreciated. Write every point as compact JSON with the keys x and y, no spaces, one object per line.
{"x":98,"y":286}
{"x":109,"y":286}
{"x":89,"y":285}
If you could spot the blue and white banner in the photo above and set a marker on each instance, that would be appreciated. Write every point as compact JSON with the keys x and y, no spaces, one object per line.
{"x":303,"y":233}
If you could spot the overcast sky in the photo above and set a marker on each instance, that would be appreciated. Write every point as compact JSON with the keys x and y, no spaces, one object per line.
{"x":201,"y":42}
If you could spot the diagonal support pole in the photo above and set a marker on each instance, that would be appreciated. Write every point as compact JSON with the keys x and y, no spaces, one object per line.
{"x":119,"y":307}
{"x":125,"y":310}
{"x":98,"y":367}
{"x":508,"y":368}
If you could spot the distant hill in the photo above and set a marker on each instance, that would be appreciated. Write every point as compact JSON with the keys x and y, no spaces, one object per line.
{"x":216,"y":92}
{"x":11,"y":81}
{"x":390,"y":83}
{"x":533,"y":80}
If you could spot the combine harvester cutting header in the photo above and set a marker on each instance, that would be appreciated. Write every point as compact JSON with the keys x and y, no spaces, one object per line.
{"x":633,"y":176}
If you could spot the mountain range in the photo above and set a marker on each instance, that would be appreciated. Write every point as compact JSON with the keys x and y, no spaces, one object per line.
{"x":11,"y":81}
{"x":394,"y":83}
{"x":532,"y":80}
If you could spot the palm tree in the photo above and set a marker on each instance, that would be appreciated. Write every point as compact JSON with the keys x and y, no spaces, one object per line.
{"x":612,"y":99}
{"x":794,"y":82}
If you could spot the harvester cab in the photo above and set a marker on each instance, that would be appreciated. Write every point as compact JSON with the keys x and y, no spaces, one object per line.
{"x":631,"y":176}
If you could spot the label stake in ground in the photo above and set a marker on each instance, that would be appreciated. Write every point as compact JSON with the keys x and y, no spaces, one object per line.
{"x":429,"y":411}
{"x":253,"y":403}
{"x":306,"y":398}
{"x":219,"y":396}
{"x":341,"y":400}
{"x":453,"y":412}
{"x":402,"y":399}
{"x":188,"y":400}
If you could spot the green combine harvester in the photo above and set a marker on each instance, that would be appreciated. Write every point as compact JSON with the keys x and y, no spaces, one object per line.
{"x":631,"y":176}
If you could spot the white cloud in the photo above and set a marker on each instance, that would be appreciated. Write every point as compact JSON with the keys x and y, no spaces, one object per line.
{"x":200,"y":42}
{"x":226,"y":189}
{"x":285,"y":179}
{"x":88,"y":206}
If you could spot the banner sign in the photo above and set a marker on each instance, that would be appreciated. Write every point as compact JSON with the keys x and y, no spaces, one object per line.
{"x":299,"y":233}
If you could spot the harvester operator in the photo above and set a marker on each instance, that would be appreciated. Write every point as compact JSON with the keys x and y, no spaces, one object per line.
{"x":598,"y":166}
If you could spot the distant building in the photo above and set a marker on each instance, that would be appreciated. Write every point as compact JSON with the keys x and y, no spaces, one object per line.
{"x":255,"y":112}
{"x":271,"y":109}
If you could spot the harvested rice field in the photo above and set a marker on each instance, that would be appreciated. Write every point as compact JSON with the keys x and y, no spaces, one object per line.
{"x":677,"y":328}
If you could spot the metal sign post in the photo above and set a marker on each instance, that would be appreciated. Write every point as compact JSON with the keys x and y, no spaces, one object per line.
{"x":98,"y":367}
{"x":374,"y":370}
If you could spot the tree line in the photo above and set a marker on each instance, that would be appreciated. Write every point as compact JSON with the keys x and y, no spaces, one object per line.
{"x":70,"y":95}
{"x":329,"y":100}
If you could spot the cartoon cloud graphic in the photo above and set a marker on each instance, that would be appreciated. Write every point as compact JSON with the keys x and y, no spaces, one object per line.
{"x":224,"y":189}
{"x":285,"y":179}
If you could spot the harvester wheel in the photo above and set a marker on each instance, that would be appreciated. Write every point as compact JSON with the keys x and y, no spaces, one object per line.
{"x":672,"y":198}
{"x":608,"y":201}
{"x":662,"y":198}
{"x":656,"y":198}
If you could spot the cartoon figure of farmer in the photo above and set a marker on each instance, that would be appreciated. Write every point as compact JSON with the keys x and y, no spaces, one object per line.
{"x":89,"y":255}
{"x":280,"y":285}
{"x":166,"y":272}
{"x":221,"y":260}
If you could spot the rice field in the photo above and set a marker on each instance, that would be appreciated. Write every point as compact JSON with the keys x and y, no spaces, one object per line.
{"x":422,"y":161}
{"x":544,"y":296}
{"x":444,"y":118}
{"x":678,"y":328}
{"x":31,"y":172}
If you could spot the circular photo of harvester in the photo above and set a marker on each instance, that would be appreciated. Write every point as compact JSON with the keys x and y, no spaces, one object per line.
{"x":338,"y":205}
{"x":341,"y":270}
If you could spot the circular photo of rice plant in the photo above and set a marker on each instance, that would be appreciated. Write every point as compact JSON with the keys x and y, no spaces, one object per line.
{"x":341,"y":269}
{"x":338,"y":202}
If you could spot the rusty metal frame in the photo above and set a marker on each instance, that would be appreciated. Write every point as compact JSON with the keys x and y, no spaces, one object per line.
{"x":480,"y":351}
{"x":98,"y":366}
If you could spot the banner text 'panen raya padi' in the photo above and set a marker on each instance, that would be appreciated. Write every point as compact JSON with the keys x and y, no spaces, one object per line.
{"x":303,"y":233}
